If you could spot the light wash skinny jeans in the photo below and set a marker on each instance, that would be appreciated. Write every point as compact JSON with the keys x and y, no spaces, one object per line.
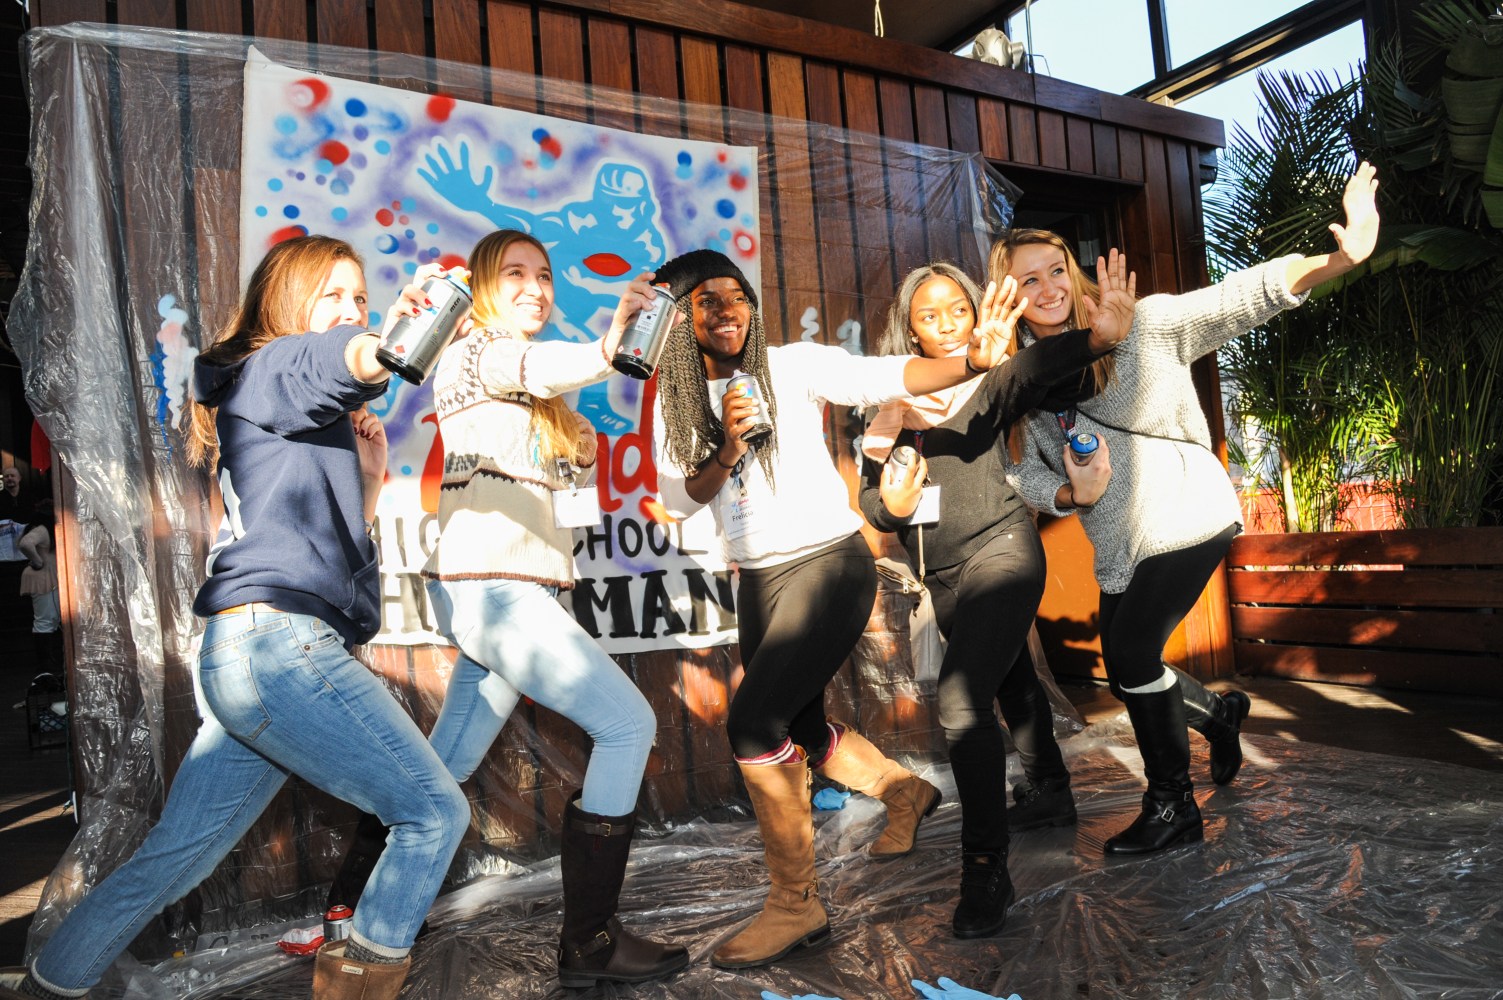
{"x":515,"y":639}
{"x":286,"y":698}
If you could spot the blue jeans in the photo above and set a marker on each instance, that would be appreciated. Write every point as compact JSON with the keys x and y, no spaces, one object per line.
{"x":287,"y":698}
{"x":514,"y":638}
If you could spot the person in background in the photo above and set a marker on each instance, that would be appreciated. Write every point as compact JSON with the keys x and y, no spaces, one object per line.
{"x":39,"y":582}
{"x":983,"y":560}
{"x":279,"y":410}
{"x":807,"y":581}
{"x":1168,"y":516}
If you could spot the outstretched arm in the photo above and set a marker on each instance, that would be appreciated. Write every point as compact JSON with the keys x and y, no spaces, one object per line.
{"x":1354,"y":241}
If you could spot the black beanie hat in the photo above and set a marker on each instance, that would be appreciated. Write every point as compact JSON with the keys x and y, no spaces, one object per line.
{"x":688,"y":271}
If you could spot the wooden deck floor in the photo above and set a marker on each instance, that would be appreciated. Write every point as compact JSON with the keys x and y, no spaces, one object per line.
{"x":36,"y":824}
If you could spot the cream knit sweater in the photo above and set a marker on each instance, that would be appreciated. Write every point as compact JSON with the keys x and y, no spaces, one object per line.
{"x":1168,"y":490}
{"x":495,"y":515}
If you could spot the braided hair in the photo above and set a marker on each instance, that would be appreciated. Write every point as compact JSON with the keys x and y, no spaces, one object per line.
{"x":693,"y":432}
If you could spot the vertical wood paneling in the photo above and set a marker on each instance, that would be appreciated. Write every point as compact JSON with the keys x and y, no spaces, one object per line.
{"x":965,"y":132}
{"x":873,"y":236}
{"x":798,"y":263}
{"x":1053,"y":148}
{"x":561,"y":45}
{"x":1130,"y":151}
{"x":895,"y":99}
{"x":744,"y":91}
{"x":832,"y":207}
{"x":147,"y":13}
{"x":399,"y":27}
{"x":339,"y":22}
{"x":1164,"y":273}
{"x":456,"y":31}
{"x":509,"y":36}
{"x":1104,"y":149}
{"x":991,"y":118}
{"x":905,"y":188}
{"x":931,"y":122}
{"x":49,"y":13}
{"x":701,"y":70}
{"x":283,"y":19}
{"x":1022,"y":131}
{"x":610,"y":53}
{"x":657,"y":63}
{"x":1078,"y":139}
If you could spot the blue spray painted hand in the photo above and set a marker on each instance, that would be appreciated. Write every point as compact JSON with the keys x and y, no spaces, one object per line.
{"x":949,"y":989}
{"x":770,"y":995}
{"x":455,"y":185}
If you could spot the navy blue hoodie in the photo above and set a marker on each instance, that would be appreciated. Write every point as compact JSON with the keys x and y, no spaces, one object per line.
{"x":294,"y":512}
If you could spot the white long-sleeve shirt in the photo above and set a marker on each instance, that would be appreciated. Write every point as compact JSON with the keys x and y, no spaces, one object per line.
{"x":810,"y":508}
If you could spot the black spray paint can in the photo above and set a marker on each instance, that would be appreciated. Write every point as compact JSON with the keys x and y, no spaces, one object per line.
{"x":413,"y":346}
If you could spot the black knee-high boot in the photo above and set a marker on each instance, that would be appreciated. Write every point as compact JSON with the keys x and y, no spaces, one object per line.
{"x":1217,"y":717}
{"x":978,"y":759}
{"x":1170,"y":815}
{"x":594,"y":946}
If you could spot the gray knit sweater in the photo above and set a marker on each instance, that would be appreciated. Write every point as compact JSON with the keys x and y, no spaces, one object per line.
{"x":1168,"y":489}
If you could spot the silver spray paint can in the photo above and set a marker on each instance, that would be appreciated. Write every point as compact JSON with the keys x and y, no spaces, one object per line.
{"x":413,"y":346}
{"x":902,"y":456}
{"x":762,"y":429}
{"x":642,"y":343}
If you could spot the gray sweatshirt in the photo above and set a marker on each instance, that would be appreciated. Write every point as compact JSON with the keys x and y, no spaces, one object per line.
{"x":1168,"y":490}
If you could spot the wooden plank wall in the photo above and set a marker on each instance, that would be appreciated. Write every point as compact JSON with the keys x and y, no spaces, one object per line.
{"x":832,"y":247}
{"x":1412,"y":609}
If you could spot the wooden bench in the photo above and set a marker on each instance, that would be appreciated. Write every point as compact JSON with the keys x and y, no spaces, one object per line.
{"x":1415,"y":609}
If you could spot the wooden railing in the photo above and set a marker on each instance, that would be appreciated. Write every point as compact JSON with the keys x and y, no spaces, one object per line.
{"x":1414,"y":609}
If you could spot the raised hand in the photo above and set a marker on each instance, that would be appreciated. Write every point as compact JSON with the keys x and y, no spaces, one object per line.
{"x":949,"y":989}
{"x":1111,"y":320}
{"x":454,"y":183}
{"x":1356,"y":239}
{"x":902,"y":488}
{"x":996,"y":324}
{"x":638,"y":296}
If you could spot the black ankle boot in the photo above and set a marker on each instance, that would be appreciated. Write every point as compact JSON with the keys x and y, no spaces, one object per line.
{"x":1041,"y":803}
{"x":594,"y":946}
{"x":1170,"y":815}
{"x":1217,"y":717}
{"x":985,"y":894}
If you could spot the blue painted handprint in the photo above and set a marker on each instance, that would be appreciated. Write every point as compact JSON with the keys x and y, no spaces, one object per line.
{"x":949,"y":989}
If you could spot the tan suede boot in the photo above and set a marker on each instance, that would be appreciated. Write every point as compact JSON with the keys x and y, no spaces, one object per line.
{"x":861,"y":767}
{"x":336,"y":977}
{"x":792,"y":917}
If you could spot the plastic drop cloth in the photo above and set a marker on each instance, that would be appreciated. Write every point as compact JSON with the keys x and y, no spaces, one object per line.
{"x":1324,"y":873}
{"x":136,"y":251}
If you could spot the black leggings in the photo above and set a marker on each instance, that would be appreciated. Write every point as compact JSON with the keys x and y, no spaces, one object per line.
{"x":799,"y":621}
{"x":984,"y":607}
{"x":1136,"y":623}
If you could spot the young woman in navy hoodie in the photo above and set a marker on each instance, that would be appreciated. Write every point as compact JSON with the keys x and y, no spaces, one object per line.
{"x":292,"y":585}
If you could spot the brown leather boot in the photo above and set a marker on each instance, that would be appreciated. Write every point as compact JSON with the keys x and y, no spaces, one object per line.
{"x":336,"y":977}
{"x":861,"y":767}
{"x":792,"y":917}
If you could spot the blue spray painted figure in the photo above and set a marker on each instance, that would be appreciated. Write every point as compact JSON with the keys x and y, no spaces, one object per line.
{"x":596,"y":247}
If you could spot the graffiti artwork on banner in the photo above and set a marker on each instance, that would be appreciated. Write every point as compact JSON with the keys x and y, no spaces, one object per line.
{"x":411,"y":178}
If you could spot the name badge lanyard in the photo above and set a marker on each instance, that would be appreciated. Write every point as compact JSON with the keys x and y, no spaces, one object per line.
{"x":918,"y":447}
{"x":1066,"y":421}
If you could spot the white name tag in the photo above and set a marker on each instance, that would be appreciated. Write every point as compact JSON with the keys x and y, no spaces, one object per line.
{"x":576,"y":508}
{"x":928,"y":507}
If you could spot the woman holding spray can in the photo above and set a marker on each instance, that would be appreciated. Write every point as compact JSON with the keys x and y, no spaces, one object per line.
{"x":1169,"y":514}
{"x":512,"y":450}
{"x":279,"y":410}
{"x":806,"y":579}
{"x":981,"y":559}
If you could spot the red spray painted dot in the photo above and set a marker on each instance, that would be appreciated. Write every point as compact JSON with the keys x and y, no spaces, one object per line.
{"x":448,"y":260}
{"x":384,"y":216}
{"x":552,"y":147}
{"x":440,"y":107}
{"x":286,"y":233}
{"x":738,"y":182}
{"x":308,"y":93}
{"x":334,"y":151}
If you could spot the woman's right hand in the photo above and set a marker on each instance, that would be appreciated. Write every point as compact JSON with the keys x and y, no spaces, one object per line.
{"x":903,"y":488}
{"x":637,"y":297}
{"x":412,"y":300}
{"x":738,"y":414}
{"x":1088,"y":482}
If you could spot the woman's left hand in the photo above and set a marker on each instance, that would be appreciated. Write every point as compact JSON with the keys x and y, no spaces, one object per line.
{"x":996,"y":324}
{"x":370,"y":445}
{"x":588,"y":443}
{"x":1355,"y":240}
{"x":1111,"y":320}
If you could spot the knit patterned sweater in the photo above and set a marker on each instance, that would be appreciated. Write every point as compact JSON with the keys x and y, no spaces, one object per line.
{"x":495,"y":514}
{"x":1168,"y":490}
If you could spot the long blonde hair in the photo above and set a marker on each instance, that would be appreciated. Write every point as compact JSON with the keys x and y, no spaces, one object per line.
{"x":999,"y":262}
{"x":277,"y":303}
{"x":552,"y":421}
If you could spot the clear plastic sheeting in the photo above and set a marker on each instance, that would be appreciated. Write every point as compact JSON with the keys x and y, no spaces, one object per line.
{"x":136,"y":254}
{"x":1324,"y":874}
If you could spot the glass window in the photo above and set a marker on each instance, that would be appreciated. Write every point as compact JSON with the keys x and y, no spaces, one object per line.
{"x":1101,"y":45}
{"x":1196,"y":27}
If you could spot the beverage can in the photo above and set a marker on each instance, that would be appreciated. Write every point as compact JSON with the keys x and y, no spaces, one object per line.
{"x":1083,"y":448}
{"x":762,"y":429}
{"x":641,"y":345}
{"x":337,"y":923}
{"x":412,"y":347}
